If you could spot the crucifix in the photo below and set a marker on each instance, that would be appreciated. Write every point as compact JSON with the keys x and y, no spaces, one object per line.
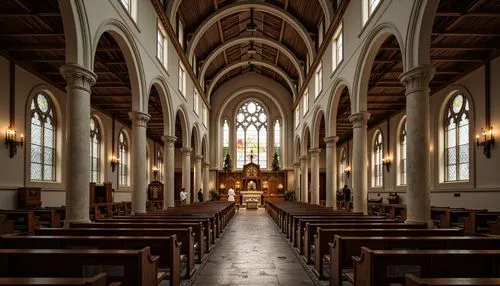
{"x":251,"y":156}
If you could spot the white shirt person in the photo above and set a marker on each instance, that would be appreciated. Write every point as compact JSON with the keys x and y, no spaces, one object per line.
{"x":231,"y":194}
{"x":183,"y":196}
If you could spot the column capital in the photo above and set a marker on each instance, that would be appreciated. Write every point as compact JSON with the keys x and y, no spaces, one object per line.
{"x":206,"y":164}
{"x":303,"y":158}
{"x":296,"y":164}
{"x":139,"y":118}
{"x":314,"y":152}
{"x":359,"y":119}
{"x":169,"y":140}
{"x":78,"y":77}
{"x":331,"y":140}
{"x":186,"y":150}
{"x":198,"y":157}
{"x":417,"y":78}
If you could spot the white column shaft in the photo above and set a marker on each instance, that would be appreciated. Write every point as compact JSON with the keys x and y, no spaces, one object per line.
{"x":138,"y":158}
{"x":418,"y":140}
{"x":315,"y":176}
{"x":186,"y":172}
{"x":331,"y":170}
{"x":79,"y":82}
{"x":206,"y":176}
{"x":197,"y":176}
{"x":304,"y":170}
{"x":296,"y":168}
{"x":360,"y":162}
{"x":169,"y":159}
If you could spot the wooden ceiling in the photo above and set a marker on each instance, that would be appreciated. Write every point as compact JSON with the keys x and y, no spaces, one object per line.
{"x":465,"y":35}
{"x":193,"y":12}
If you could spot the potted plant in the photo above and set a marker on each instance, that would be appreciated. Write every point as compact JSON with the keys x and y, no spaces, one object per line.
{"x":276,"y":163}
{"x":214,"y":195}
{"x":228,"y":166}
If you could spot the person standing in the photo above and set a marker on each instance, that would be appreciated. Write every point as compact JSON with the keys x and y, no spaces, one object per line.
{"x":231,"y":194}
{"x":200,"y":196}
{"x":347,"y":196}
{"x":183,"y":196}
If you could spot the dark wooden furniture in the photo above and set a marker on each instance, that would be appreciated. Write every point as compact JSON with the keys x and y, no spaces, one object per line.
{"x":412,"y":280}
{"x":478,"y":222}
{"x":383,"y":267}
{"x":344,"y":247}
{"x":28,"y":198}
{"x":494,"y":227}
{"x":155,"y":196}
{"x":101,"y":193}
{"x":456,"y":217}
{"x":97,"y":280}
{"x":6,"y":226}
{"x":24,"y":221}
{"x":130,"y":267}
{"x":272,"y":198}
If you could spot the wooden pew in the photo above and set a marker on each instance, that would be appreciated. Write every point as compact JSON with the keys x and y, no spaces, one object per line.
{"x":344,"y":247}
{"x":24,"y":221}
{"x":166,"y":247}
{"x":6,"y":226}
{"x":197,"y":230}
{"x":297,"y":239}
{"x":207,"y":226}
{"x":494,"y":227}
{"x":184,"y":235}
{"x":311,"y":230}
{"x":97,"y":280}
{"x":383,"y":267}
{"x":412,"y":280}
{"x":130,"y":267}
{"x":478,"y":222}
{"x":324,"y":236}
{"x":456,"y":217}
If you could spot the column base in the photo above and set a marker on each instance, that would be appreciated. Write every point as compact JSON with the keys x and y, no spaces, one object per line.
{"x":429,"y":223}
{"x":68,"y":222}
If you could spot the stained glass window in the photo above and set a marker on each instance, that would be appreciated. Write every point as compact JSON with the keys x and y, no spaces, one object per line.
{"x":42,"y":139}
{"x":95,"y":151}
{"x":402,"y":154}
{"x":251,"y":134}
{"x":343,"y":167}
{"x":277,"y":138}
{"x":456,"y":146}
{"x":377,"y":160}
{"x":225,"y":139}
{"x":123,"y":151}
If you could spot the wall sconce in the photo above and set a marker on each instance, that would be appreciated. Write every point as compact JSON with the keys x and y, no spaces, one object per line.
{"x":280,"y":186}
{"x":265,"y":185}
{"x":487,"y":144}
{"x":12,"y":143}
{"x":387,"y":161}
{"x":347,"y":171}
{"x":114,"y":162}
{"x":238,"y":185}
{"x":156,"y":171}
{"x":222,"y":186}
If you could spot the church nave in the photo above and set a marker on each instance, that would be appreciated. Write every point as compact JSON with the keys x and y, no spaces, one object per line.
{"x":252,"y":252}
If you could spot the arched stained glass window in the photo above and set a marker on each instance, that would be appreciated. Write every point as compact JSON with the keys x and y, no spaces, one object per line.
{"x":456,"y":141}
{"x":42,"y":139}
{"x":377,"y":160}
{"x":123,"y":150}
{"x":251,"y":134}
{"x":225,"y":139}
{"x":277,"y":138}
{"x":95,"y":151}
{"x":342,"y":168}
{"x":402,"y":154}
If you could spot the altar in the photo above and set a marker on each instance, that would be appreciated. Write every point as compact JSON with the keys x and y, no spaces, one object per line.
{"x":251,"y":183}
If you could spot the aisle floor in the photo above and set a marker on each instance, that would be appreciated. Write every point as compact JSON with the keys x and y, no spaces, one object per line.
{"x":252,"y":252}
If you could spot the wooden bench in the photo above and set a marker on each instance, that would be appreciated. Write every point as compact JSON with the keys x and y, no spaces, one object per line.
{"x":324,"y":236}
{"x":207,"y":226}
{"x":311,"y":230}
{"x":412,"y":280}
{"x":478,"y":222}
{"x":97,"y":280}
{"x":184,"y":235}
{"x":24,"y":221}
{"x":197,"y":230}
{"x":494,"y":227}
{"x":6,"y":226}
{"x":383,"y":267}
{"x":344,"y":247}
{"x":166,"y":247}
{"x":130,"y":267}
{"x":456,"y":217}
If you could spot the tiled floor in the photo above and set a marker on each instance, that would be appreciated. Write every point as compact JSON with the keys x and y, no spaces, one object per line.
{"x":252,"y":252}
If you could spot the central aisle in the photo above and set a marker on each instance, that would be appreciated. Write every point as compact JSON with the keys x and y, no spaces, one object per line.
{"x":252,"y":252}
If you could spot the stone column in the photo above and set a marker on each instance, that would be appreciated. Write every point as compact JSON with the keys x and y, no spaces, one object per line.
{"x":331,"y":171}
{"x":315,"y":175}
{"x":296,"y":169}
{"x":168,"y":170}
{"x":416,"y":82}
{"x":186,"y":172}
{"x":304,"y":179}
{"x":78,"y":83}
{"x":197,"y":175}
{"x":206,"y":176}
{"x":138,"y":160}
{"x":360,"y":161}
